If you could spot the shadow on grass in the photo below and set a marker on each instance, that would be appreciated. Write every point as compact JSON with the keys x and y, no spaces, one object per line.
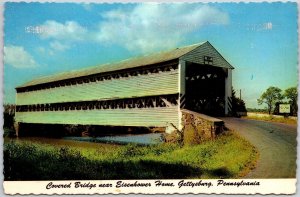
{"x":220,"y":173}
{"x":86,"y":170}
{"x":29,"y":163}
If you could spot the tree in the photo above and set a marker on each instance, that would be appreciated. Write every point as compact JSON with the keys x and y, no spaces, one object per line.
{"x":8,"y":115}
{"x":270,"y":97}
{"x":238,"y":105}
{"x":292,"y":95}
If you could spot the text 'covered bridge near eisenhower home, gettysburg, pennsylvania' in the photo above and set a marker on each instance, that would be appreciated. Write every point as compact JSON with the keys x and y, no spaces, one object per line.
{"x":148,"y":91}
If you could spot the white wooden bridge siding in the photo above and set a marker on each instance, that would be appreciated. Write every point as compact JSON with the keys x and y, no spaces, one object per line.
{"x":128,"y":87}
{"x":148,"y":117}
{"x":206,"y":49}
{"x":152,"y":84}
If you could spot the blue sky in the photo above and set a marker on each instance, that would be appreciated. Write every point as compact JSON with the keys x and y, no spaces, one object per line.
{"x":258,"y":39}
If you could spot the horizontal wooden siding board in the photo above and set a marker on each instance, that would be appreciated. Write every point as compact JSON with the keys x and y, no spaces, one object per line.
{"x":118,"y":117}
{"x":135,"y":86}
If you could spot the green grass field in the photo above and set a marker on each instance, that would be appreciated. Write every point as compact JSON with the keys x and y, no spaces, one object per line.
{"x":229,"y":156}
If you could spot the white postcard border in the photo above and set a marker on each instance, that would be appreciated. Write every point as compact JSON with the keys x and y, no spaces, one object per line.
{"x":267,"y":186}
{"x":178,"y":186}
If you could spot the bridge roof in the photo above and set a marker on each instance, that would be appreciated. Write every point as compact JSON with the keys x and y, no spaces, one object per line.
{"x":139,"y":61}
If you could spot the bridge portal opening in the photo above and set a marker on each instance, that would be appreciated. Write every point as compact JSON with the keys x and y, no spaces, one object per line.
{"x":205,"y":89}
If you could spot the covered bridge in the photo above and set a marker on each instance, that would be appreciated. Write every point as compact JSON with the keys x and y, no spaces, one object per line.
{"x":148,"y":91}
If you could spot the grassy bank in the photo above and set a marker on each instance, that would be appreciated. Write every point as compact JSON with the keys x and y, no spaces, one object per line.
{"x":229,"y":156}
{"x":272,"y":119}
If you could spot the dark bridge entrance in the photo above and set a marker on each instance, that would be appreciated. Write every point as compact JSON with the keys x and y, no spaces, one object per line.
{"x":205,"y":89}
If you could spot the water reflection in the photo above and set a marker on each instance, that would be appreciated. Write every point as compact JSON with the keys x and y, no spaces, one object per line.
{"x":143,"y":139}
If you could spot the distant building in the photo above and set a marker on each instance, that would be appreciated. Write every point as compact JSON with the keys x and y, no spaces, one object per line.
{"x":145,"y":91}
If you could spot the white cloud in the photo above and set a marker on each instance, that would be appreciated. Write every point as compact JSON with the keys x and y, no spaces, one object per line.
{"x":51,"y":52}
{"x":59,"y":46}
{"x":62,"y":35}
{"x":17,"y":57}
{"x":41,"y":50}
{"x":87,"y":6}
{"x":145,"y":27}
{"x":69,"y":31}
{"x":268,"y":26}
{"x":148,"y":27}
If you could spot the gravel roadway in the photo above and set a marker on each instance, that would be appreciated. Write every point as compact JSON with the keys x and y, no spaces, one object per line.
{"x":276,"y":143}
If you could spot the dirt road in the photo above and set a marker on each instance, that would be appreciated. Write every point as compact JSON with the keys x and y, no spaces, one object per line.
{"x":276,"y":143}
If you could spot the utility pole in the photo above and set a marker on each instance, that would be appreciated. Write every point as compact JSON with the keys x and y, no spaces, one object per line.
{"x":240,"y":93}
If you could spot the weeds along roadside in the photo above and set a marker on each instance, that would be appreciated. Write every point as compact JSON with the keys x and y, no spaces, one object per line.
{"x":272,"y":119}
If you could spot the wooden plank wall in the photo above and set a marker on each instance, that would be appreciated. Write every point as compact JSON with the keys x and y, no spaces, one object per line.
{"x":134,"y":86}
{"x":197,"y":56}
{"x":148,"y":117}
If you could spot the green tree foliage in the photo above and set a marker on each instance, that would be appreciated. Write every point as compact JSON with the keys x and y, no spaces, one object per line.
{"x":238,"y":105}
{"x":270,"y":97}
{"x":292,"y":95}
{"x":8,"y":115}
